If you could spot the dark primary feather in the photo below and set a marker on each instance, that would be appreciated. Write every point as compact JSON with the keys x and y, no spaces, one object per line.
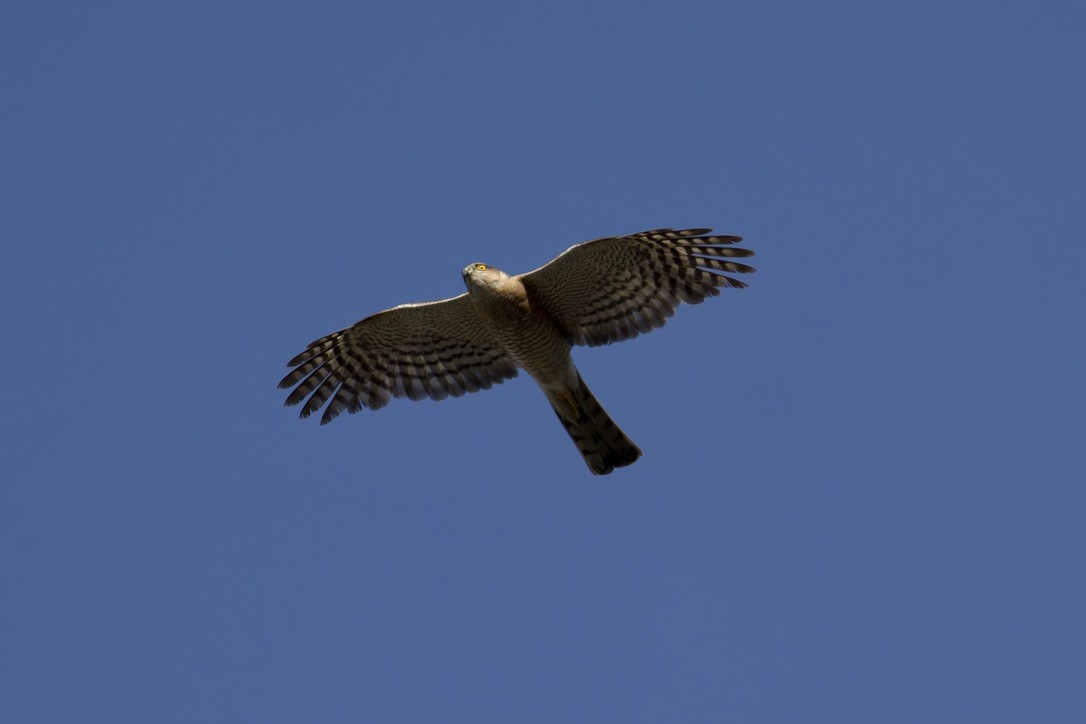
{"x":615,"y":288}
{"x":435,"y":350}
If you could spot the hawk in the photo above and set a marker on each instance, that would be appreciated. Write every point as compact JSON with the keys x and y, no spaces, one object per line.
{"x":602,"y":291}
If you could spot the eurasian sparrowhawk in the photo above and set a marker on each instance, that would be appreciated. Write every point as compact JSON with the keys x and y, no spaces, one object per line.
{"x":594,"y":293}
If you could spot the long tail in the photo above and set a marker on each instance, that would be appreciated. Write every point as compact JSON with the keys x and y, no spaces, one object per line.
{"x":602,"y":443}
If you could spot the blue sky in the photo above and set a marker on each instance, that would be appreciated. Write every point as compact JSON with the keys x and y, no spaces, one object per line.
{"x":862,"y":494}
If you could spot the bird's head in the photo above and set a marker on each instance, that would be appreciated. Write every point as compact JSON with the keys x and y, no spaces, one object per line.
{"x":481,"y":275}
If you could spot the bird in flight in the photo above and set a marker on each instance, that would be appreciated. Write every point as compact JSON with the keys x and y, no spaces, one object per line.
{"x":602,"y":291}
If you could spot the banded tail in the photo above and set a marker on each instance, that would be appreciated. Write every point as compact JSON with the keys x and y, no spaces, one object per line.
{"x":601,"y":442}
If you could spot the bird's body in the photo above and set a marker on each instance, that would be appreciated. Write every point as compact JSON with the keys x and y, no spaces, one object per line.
{"x":527,"y":332}
{"x":598,"y":292}
{"x":519,"y":323}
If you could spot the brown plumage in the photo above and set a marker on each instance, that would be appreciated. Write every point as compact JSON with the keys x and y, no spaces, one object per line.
{"x":598,"y":292}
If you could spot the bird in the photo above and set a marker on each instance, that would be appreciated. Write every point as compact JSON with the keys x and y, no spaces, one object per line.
{"x":595,"y":293}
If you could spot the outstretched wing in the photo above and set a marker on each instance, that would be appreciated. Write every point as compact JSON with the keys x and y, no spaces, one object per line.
{"x":612,"y":289}
{"x":434,"y":349}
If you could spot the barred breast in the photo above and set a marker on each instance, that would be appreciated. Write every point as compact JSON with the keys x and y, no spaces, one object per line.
{"x":523,"y":327}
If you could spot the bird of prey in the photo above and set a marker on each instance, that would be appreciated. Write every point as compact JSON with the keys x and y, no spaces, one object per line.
{"x":602,"y":291}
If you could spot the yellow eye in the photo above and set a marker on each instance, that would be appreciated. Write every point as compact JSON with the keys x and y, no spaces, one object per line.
{"x":481,"y":267}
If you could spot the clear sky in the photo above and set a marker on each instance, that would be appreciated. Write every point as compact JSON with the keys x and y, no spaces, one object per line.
{"x":862,"y":495}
